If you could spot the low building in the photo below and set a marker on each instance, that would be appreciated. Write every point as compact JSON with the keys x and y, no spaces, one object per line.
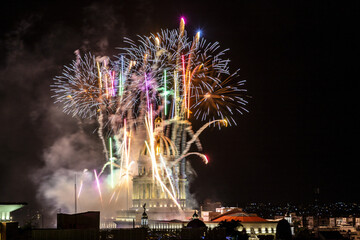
{"x":8,"y":228}
{"x":7,"y":208}
{"x":86,"y":220}
{"x":253,"y":224}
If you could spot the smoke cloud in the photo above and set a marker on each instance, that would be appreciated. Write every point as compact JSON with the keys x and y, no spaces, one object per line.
{"x":56,"y":146}
{"x":44,"y":147}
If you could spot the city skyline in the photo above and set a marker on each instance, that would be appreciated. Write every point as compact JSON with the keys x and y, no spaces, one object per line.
{"x":297,"y":61}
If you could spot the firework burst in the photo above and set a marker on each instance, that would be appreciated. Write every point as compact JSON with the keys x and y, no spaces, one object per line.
{"x":219,"y":99}
{"x":158,"y":83}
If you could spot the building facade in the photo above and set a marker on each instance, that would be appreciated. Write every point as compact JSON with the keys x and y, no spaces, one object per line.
{"x":170,"y":199}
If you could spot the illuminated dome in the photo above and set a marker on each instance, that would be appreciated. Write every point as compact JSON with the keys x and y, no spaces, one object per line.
{"x":157,"y":121}
{"x":163,"y":146}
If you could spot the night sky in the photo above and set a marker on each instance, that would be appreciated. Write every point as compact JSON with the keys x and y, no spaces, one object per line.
{"x":298,"y":57}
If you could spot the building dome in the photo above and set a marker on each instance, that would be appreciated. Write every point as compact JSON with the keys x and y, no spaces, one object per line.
{"x":157,"y":121}
{"x":163,"y":146}
{"x":196,"y":223}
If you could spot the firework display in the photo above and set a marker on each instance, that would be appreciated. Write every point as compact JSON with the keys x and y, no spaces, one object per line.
{"x":159,"y":83}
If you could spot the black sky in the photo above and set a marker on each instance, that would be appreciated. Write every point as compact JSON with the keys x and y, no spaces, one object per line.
{"x":298,"y":57}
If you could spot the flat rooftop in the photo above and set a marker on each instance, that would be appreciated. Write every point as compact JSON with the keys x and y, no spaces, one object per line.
{"x":11,"y":206}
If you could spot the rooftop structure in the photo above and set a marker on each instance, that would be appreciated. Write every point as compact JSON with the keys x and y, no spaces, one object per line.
{"x":7,"y":207}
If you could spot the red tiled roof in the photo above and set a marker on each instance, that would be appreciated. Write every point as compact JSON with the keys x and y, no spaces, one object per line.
{"x":238,"y":218}
{"x":237,"y":214}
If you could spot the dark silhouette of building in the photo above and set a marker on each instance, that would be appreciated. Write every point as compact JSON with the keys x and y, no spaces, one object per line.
{"x":195,"y":229}
{"x":283,"y":230}
{"x":86,"y":220}
{"x":330,"y":235}
{"x":196,"y":222}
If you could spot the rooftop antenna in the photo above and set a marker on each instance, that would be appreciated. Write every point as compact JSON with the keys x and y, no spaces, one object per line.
{"x":75,"y":196}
